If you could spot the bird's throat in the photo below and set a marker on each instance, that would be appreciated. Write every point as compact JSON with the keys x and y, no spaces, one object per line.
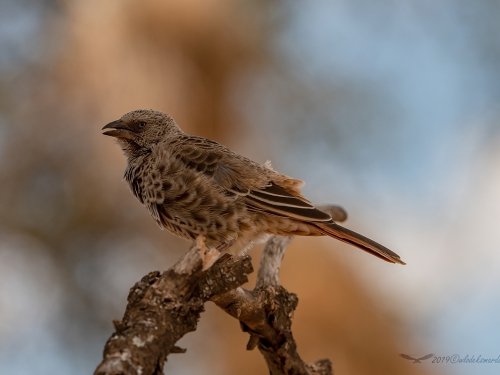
{"x":131,"y":149}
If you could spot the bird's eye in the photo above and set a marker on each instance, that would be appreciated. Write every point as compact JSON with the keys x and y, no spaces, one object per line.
{"x":142,"y":124}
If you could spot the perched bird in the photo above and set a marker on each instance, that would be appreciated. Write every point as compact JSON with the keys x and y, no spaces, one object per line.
{"x":194,"y":186}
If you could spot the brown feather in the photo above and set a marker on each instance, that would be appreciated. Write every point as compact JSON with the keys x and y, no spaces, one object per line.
{"x":276,"y":200}
{"x":362,"y":242}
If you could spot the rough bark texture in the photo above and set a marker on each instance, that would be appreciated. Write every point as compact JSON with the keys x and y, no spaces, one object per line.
{"x":267,"y":312}
{"x":164,"y":307}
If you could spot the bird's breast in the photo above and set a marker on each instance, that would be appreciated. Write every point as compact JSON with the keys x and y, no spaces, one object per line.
{"x":189,"y":203}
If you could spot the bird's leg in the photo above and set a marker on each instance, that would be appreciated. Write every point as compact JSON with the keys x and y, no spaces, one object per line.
{"x":225,"y":245}
{"x":224,"y":257}
{"x":208,"y":255}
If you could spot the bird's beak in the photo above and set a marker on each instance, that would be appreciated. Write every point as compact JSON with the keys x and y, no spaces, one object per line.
{"x":118,"y":129}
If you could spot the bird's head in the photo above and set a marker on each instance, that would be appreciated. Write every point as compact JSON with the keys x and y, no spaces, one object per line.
{"x":141,"y":130}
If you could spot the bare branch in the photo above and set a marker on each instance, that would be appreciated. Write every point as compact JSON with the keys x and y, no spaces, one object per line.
{"x":249,"y":308}
{"x":336,"y":212}
{"x":270,"y":261}
{"x":267,"y":313}
{"x":164,"y":307}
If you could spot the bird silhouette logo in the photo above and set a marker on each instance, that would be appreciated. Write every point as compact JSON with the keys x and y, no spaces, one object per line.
{"x":416,"y":360}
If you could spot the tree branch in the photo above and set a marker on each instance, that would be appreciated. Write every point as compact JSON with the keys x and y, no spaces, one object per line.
{"x":164,"y":307}
{"x":267,"y":313}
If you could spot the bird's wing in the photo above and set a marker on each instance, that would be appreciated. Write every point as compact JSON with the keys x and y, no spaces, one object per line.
{"x":277,"y":200}
{"x":406,"y":356}
{"x":243,"y":177}
{"x":199,"y":154}
{"x":426,"y":357}
{"x":234,"y":174}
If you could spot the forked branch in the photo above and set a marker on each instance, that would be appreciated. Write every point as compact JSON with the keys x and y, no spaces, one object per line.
{"x":164,"y":307}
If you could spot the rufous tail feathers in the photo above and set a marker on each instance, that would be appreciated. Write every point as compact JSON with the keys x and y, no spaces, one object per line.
{"x":355,"y":239}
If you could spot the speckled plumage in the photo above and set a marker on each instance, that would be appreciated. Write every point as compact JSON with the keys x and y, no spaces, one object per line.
{"x":194,"y":186}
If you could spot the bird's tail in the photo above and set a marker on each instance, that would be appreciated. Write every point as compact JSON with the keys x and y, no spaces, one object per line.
{"x":355,"y":239}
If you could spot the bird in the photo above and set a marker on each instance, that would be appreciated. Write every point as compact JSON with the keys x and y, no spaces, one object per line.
{"x":193,"y":186}
{"x":417,"y":360}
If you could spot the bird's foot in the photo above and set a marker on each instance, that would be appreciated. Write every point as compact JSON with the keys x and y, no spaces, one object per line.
{"x":208,"y":255}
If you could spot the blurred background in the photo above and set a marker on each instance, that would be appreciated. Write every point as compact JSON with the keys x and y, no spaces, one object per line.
{"x":389,"y":108}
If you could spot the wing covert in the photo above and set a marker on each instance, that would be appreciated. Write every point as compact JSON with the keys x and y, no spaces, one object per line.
{"x":242,"y":177}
